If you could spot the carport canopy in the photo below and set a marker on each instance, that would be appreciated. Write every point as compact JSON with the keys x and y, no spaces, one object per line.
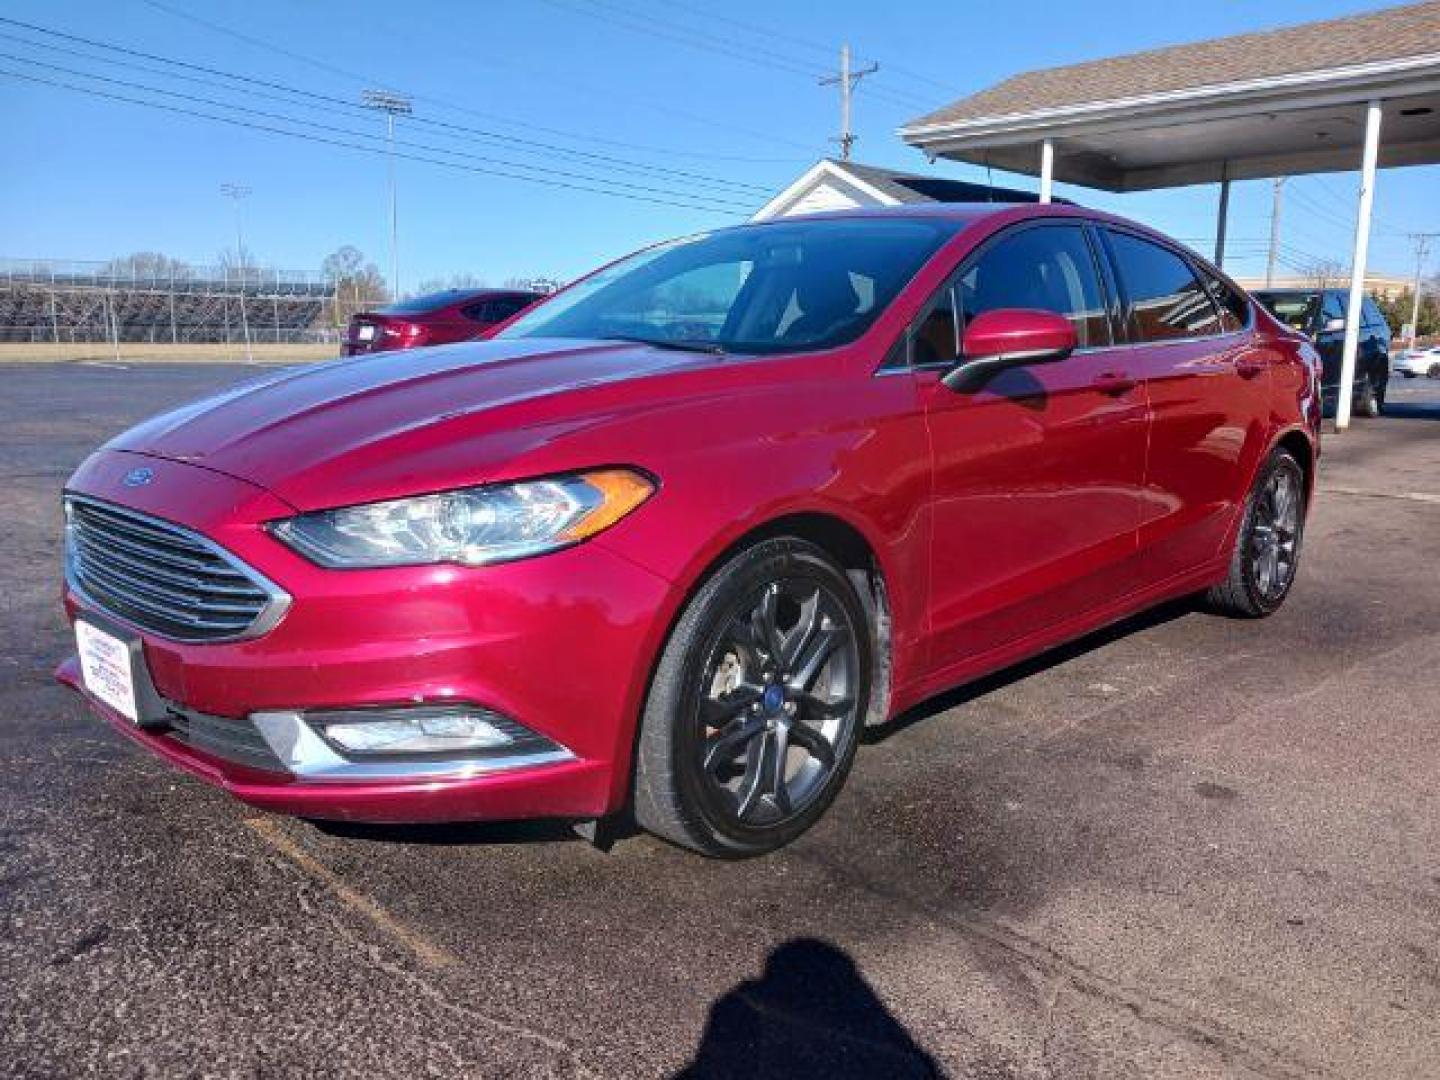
{"x":1359,"y":92}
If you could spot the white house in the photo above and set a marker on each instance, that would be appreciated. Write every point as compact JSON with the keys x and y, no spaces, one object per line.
{"x":844,"y":185}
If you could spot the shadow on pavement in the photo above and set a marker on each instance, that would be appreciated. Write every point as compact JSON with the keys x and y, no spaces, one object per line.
{"x":811,"y":1014}
{"x":453,"y":834}
{"x":988,"y":684}
{"x":1412,"y":410}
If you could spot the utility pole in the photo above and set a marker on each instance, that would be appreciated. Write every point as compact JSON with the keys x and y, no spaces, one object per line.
{"x":1274,"y":232}
{"x":236,"y":192}
{"x":847,"y":80}
{"x":392,"y":105}
{"x":1422,"y":248}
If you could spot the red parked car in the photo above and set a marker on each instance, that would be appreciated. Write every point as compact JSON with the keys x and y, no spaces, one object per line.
{"x":670,"y":540}
{"x":435,"y":319}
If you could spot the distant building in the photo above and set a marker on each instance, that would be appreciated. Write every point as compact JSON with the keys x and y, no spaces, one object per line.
{"x":846,"y":185}
{"x":1385,"y":286}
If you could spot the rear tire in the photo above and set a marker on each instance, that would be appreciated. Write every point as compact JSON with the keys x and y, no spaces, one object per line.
{"x":1367,"y":402}
{"x":1267,"y":546}
{"x":1433,"y":372}
{"x":755,"y":710}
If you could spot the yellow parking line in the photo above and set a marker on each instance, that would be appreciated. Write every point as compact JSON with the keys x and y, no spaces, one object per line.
{"x":430,"y":954}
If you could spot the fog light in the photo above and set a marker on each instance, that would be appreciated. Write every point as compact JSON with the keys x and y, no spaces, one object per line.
{"x":434,"y":729}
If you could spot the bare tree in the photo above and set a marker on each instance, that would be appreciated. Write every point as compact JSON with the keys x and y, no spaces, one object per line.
{"x":544,"y":283}
{"x":357,"y":284}
{"x":1324,"y":273}
{"x":147,"y":266}
{"x":454,"y":281}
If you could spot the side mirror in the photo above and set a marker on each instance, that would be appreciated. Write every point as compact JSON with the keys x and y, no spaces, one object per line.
{"x":1006,"y":338}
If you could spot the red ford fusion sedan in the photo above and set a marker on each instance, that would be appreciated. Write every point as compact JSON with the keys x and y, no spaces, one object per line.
{"x":670,"y":540}
{"x":434,"y":319}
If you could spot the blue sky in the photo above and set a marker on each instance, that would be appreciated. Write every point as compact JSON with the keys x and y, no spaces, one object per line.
{"x":633,"y":92}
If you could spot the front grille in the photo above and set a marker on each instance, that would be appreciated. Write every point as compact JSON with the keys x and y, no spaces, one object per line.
{"x":163,"y":578}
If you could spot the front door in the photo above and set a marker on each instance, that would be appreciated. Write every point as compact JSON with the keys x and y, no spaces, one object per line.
{"x":1038,"y":475}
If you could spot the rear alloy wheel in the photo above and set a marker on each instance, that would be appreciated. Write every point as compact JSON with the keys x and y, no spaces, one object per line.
{"x":1367,"y":401}
{"x":753,"y":717}
{"x":1267,"y":549}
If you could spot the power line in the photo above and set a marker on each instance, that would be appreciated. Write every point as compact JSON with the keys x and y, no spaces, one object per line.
{"x":714,"y":202}
{"x":648,"y":23}
{"x":324,"y":140}
{"x":500,"y":117}
{"x":324,"y":103}
{"x":349,"y":108}
{"x":809,"y":43}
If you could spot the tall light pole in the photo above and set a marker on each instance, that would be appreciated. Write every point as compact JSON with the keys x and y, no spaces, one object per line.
{"x":846,"y":80}
{"x":1274,"y":232}
{"x":1422,"y":248}
{"x":236,"y":192}
{"x":392,"y":105}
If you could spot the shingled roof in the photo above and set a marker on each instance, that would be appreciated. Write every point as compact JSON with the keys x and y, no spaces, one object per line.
{"x":1391,"y":34}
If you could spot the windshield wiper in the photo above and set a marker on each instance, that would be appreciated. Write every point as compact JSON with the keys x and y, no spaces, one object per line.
{"x":672,"y":345}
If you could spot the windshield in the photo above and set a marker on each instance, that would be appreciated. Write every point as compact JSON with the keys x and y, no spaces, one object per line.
{"x":785,"y":287}
{"x":1295,"y":310}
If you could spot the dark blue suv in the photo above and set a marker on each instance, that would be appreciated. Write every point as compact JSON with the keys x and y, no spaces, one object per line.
{"x":1320,"y":314}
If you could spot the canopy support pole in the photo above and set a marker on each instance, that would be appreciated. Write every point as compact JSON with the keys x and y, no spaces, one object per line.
{"x":1222,"y":216}
{"x":1047,"y":169}
{"x":1354,"y":310}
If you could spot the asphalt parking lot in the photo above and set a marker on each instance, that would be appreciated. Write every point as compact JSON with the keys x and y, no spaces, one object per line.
{"x":1188,"y":847}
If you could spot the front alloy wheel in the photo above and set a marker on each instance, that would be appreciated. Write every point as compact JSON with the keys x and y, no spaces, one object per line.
{"x":756,"y":706}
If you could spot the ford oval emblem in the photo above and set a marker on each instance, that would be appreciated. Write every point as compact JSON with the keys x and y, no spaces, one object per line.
{"x":138,"y":477}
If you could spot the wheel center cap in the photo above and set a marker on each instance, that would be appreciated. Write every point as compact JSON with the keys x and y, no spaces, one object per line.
{"x":773,"y":698}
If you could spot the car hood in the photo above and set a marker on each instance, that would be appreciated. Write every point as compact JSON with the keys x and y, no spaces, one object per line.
{"x":399,"y":423}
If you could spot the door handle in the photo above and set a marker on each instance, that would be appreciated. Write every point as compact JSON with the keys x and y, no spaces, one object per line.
{"x":1114,"y":383}
{"x":1248,"y":369}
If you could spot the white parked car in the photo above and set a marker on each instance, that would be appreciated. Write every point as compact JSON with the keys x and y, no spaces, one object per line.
{"x":1414,"y":362}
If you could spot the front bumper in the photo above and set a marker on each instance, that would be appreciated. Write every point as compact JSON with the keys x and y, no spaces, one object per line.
{"x":561,"y":644}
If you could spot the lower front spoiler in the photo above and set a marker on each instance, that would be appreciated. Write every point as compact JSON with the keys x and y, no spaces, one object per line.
{"x":574,"y":788}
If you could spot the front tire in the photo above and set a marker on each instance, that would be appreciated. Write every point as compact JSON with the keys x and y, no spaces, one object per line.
{"x":1433,"y":371}
{"x":755,"y":710}
{"x":1267,"y":547}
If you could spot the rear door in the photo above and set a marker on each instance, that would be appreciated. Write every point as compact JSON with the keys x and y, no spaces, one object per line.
{"x":1037,"y":476}
{"x":1208,"y":385}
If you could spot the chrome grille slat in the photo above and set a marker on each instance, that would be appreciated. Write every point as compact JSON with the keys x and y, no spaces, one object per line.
{"x":143,"y":534}
{"x":136,"y":585}
{"x":156,"y":610}
{"x":164,"y":578}
{"x":167,"y":557}
{"x":115,"y":559}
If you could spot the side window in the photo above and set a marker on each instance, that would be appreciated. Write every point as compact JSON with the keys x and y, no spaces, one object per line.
{"x":478,"y":311}
{"x":504,"y":308}
{"x":936,"y":339}
{"x":1234,"y":307}
{"x":1166,"y":300}
{"x":1373,"y":320}
{"x":1333,"y":307}
{"x":1048,"y":267}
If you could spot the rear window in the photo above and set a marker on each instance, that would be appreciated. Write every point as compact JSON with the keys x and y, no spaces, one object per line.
{"x":1295,"y":310}
{"x":418,"y":305}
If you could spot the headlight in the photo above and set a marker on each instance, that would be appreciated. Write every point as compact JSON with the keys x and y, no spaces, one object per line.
{"x":473,"y":526}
